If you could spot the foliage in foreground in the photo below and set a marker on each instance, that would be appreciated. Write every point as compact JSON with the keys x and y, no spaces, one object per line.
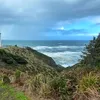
{"x":47,"y":87}
{"x":88,"y":88}
{"x":68,"y":85}
{"x":9,"y":93}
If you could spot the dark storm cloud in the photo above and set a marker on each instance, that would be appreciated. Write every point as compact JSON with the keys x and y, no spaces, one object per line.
{"x":50,"y":10}
{"x":42,"y":15}
{"x":61,"y":10}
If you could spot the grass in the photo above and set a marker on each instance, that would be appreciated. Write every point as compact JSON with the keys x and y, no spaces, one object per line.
{"x":88,"y":87}
{"x":50,"y":87}
{"x":89,"y":81}
{"x":9,"y":93}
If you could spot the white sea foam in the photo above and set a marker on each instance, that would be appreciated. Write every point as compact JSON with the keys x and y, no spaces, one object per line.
{"x":59,"y":54}
{"x":65,"y":58}
{"x":56,"y":47}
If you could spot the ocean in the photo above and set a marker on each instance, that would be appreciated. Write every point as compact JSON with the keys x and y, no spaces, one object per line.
{"x":65,"y":53}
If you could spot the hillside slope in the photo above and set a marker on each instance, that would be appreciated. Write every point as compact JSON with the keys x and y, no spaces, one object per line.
{"x":26,"y":59}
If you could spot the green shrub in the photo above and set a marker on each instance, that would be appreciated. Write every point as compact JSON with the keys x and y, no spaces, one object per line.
{"x":19,"y":59}
{"x":17,"y":75}
{"x":6,"y":79}
{"x":37,"y":81}
{"x":45,"y":90}
{"x":8,"y":60}
{"x":46,"y":86}
{"x":88,"y":88}
{"x":40,"y":85}
{"x":59,"y":87}
{"x":88,"y":81}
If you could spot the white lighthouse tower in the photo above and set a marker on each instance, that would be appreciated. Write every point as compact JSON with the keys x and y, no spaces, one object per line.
{"x":0,"y":41}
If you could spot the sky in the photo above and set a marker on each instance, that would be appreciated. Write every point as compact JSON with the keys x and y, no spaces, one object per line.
{"x":49,"y":19}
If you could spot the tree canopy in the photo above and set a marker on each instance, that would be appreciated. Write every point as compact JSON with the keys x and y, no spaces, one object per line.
{"x":91,"y":54}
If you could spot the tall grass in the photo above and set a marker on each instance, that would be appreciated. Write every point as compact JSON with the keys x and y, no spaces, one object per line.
{"x":88,"y":81}
{"x":47,"y":87}
{"x":40,"y":85}
{"x":88,"y":88}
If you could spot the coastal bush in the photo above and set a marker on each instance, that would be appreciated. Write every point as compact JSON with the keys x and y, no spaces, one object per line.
{"x":90,"y":94}
{"x":59,"y":88}
{"x":11,"y":58}
{"x":8,"y":60}
{"x":88,"y":81}
{"x":40,"y":85}
{"x":88,"y":88}
{"x":6,"y":79}
{"x":19,"y":59}
{"x":45,"y":90}
{"x":17,"y":75}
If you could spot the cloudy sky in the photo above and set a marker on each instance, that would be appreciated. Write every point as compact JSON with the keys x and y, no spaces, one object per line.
{"x":49,"y":19}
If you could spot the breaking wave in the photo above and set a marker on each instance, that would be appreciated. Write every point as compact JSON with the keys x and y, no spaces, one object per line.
{"x":63,"y":55}
{"x":56,"y":47}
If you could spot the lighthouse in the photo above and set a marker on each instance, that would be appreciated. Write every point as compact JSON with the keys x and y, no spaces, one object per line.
{"x":0,"y":41}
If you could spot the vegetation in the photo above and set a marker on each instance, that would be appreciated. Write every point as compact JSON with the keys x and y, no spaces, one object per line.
{"x":24,"y":59}
{"x":6,"y":79}
{"x":91,"y":54}
{"x":89,"y":88}
{"x":11,"y":58}
{"x":39,"y":77}
{"x":9,"y":93}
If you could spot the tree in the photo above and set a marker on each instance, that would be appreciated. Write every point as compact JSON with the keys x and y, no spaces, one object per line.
{"x":91,"y":54}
